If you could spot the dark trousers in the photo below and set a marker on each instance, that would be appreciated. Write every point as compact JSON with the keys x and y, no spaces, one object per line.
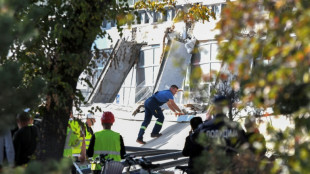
{"x":152,"y":107}
{"x":96,"y":171}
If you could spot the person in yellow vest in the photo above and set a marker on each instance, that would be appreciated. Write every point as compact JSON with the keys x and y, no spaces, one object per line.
{"x":87,"y":131}
{"x":90,"y":121}
{"x":106,"y":142}
{"x":72,"y":139}
{"x":74,"y":134}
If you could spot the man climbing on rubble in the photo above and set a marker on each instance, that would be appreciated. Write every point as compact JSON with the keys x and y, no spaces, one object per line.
{"x":152,"y":107}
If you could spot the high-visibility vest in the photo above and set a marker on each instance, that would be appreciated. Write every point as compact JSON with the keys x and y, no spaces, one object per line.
{"x":87,"y":138}
{"x":72,"y":140}
{"x":107,"y":142}
{"x":76,"y":150}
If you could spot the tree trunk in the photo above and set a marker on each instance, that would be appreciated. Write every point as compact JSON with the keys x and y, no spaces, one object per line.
{"x":52,"y":137}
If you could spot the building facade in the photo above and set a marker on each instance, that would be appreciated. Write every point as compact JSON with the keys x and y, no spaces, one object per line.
{"x":140,"y":81}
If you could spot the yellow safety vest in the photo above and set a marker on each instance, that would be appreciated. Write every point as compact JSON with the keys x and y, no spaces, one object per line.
{"x":72,"y":139}
{"x":76,"y":150}
{"x":107,"y":142}
{"x":87,"y":138}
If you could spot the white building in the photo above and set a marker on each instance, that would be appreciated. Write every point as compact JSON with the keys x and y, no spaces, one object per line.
{"x":151,"y":31}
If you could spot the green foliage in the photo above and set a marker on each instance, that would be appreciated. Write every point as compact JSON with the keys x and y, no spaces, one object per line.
{"x":37,"y":167}
{"x":50,"y":42}
{"x":267,"y":45}
{"x":279,"y":35}
{"x":16,"y":94}
{"x":154,"y":5}
{"x":195,"y":13}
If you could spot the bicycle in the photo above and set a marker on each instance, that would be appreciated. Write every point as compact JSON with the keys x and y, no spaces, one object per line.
{"x":108,"y":165}
{"x":146,"y":165}
{"x":183,"y":169}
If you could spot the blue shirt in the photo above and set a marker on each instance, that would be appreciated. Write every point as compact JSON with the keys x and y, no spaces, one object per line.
{"x":163,"y":96}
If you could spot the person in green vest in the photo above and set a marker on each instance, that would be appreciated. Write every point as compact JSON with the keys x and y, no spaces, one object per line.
{"x":72,"y":139}
{"x":106,"y":142}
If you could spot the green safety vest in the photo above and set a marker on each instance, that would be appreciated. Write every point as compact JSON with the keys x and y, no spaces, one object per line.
{"x":107,"y":142}
{"x":72,"y":139}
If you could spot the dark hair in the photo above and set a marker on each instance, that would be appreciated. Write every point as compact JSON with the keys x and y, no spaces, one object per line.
{"x":23,"y":117}
{"x":219,"y":99}
{"x":195,"y":122}
{"x":174,"y":86}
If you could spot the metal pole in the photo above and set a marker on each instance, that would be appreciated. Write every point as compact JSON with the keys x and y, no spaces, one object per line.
{"x":173,"y":155}
{"x":172,"y":164}
{"x":137,"y":149}
{"x":152,"y":152}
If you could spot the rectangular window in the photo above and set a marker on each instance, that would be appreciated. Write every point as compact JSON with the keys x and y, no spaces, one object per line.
{"x":205,"y":53}
{"x":148,"y":57}
{"x":215,"y":67}
{"x":214,"y":52}
{"x":164,"y":16}
{"x":216,"y":9}
{"x":157,"y":55}
{"x":147,"y":19}
{"x":104,"y":24}
{"x":141,"y":59}
{"x":155,"y":17}
{"x":149,"y":76}
{"x":139,"y":18}
{"x":205,"y":68}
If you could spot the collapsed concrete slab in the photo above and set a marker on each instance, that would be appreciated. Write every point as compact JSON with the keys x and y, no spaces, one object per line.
{"x":122,"y":59}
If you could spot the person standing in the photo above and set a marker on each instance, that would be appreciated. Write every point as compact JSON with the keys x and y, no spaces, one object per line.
{"x":25,"y":139}
{"x":90,"y":121}
{"x":106,"y":142}
{"x":6,"y":146}
{"x":220,"y":133}
{"x":191,"y":149}
{"x":152,"y":107}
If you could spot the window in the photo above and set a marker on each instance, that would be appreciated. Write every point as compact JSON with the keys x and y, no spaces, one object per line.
{"x":205,"y":53}
{"x":104,"y":24}
{"x":113,"y":23}
{"x":216,"y":9}
{"x":164,"y":16}
{"x":148,"y":66}
{"x":214,"y":51}
{"x":205,"y":61}
{"x":139,"y":84}
{"x":147,"y":19}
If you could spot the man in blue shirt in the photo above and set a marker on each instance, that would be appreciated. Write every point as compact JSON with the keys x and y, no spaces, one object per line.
{"x":152,"y":107}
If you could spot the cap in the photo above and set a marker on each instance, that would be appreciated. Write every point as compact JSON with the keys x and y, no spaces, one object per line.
{"x":107,"y":117}
{"x":219,"y":99}
{"x":90,"y":115}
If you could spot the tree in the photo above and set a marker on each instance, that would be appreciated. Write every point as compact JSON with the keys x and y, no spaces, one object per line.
{"x":16,"y":94}
{"x":267,"y":44}
{"x":52,"y":41}
{"x":58,"y":52}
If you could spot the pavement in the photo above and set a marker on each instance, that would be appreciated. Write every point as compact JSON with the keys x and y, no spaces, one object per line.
{"x":174,"y":132}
